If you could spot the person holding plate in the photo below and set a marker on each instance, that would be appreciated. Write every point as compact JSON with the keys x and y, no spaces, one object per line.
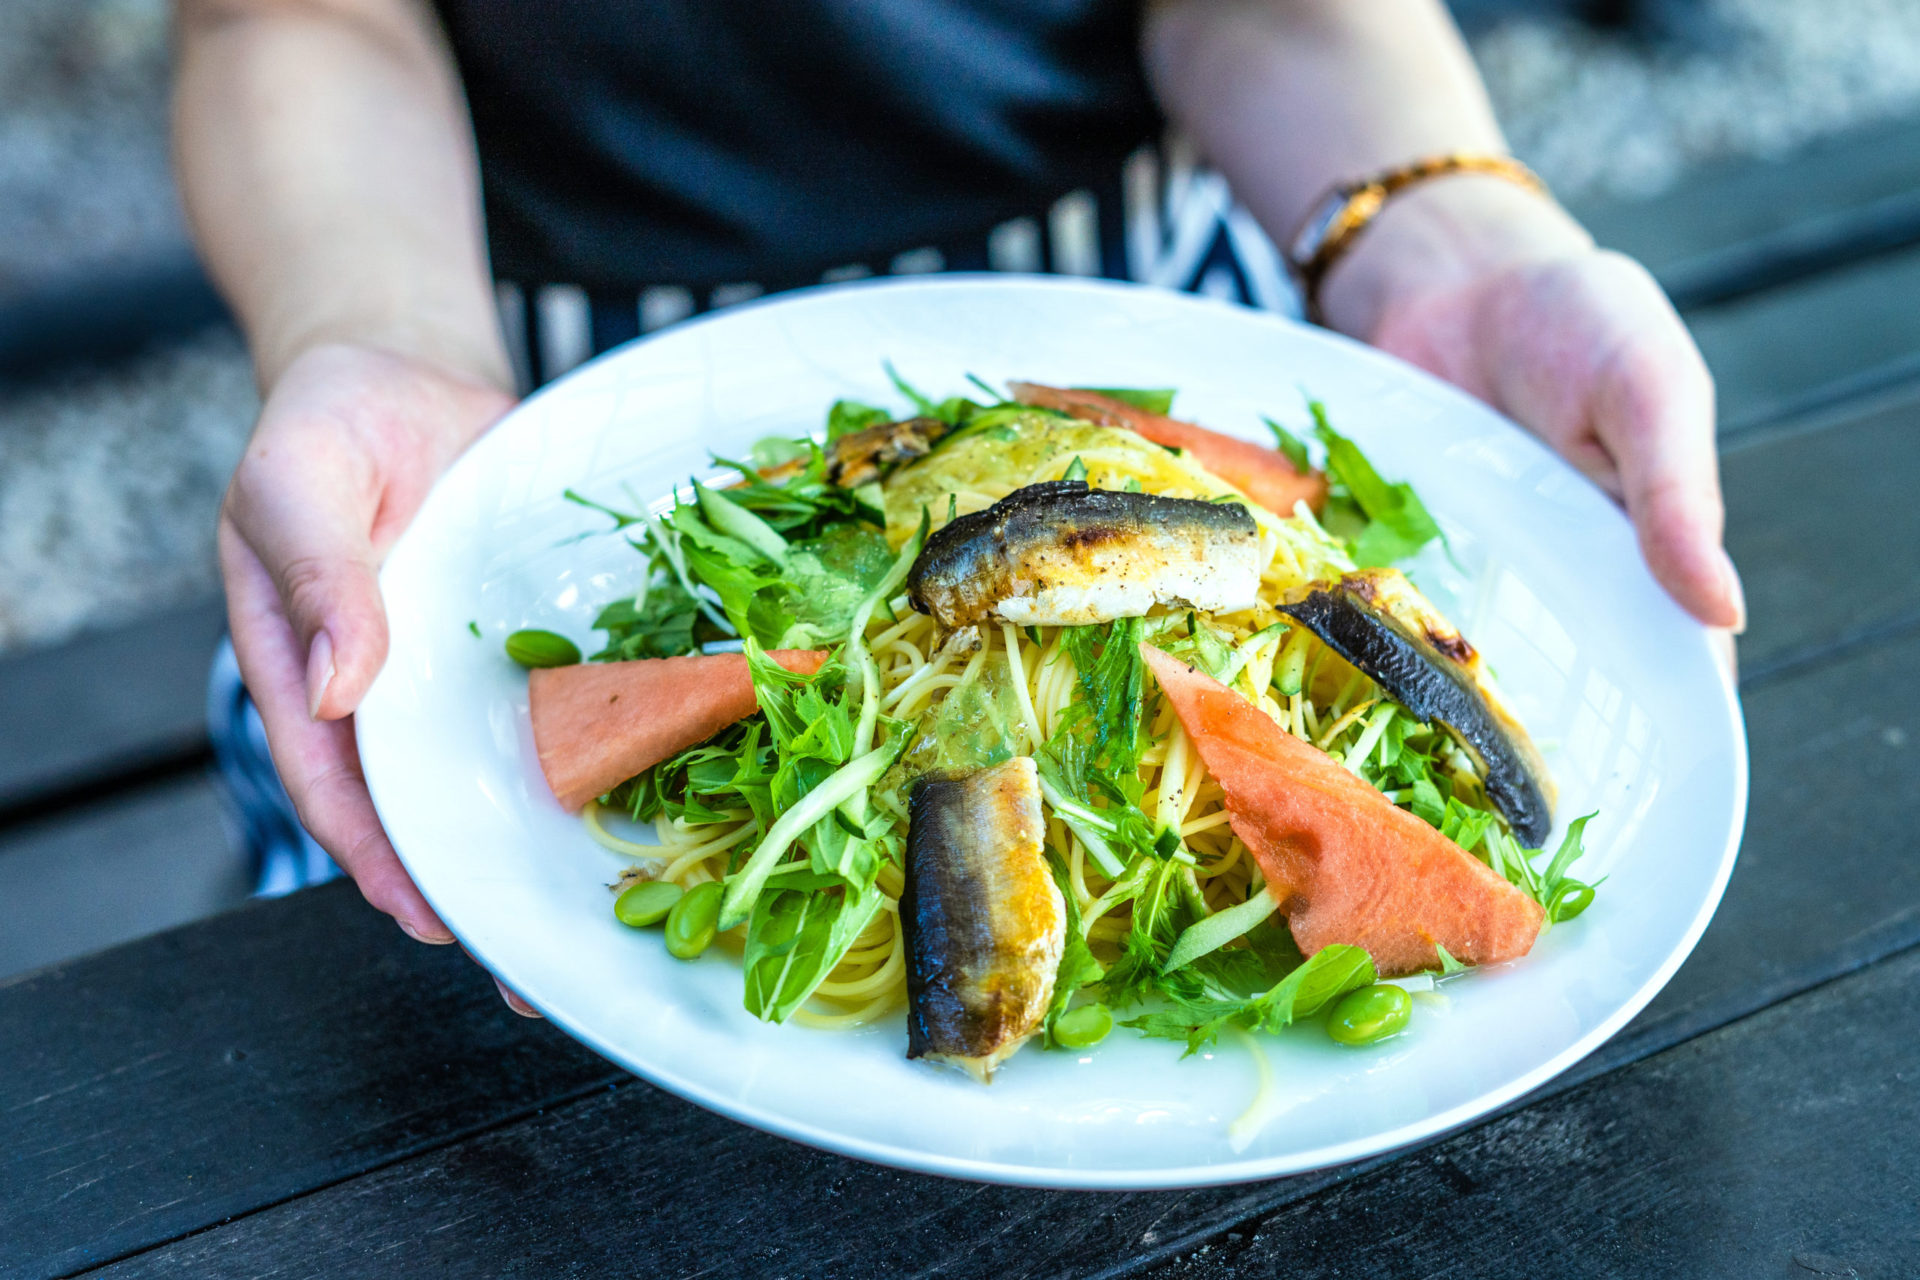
{"x":416,"y":211}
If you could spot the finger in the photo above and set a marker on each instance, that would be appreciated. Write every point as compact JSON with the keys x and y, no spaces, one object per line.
{"x":514,"y":1002}
{"x":1653,"y":409}
{"x":1728,"y":654}
{"x":317,"y":760}
{"x":314,"y":547}
{"x":507,"y":993}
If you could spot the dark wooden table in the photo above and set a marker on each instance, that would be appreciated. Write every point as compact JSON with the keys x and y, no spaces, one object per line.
{"x":294,"y":1089}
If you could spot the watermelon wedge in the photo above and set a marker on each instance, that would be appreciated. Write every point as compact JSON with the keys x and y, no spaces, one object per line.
{"x":1343,"y":862}
{"x":596,"y":724}
{"x":1262,"y":474}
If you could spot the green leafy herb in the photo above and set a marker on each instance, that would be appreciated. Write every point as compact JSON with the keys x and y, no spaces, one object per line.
{"x":771,"y":452}
{"x":1154,"y":400}
{"x":998,"y":397}
{"x":1112,"y":684}
{"x":1448,"y":965}
{"x":1397,"y":522}
{"x":803,"y":504}
{"x":1077,"y":967}
{"x":827,"y":577}
{"x":1201,"y":1011}
{"x":736,"y":521}
{"x":1094,"y":754}
{"x":1220,"y":928}
{"x":1205,"y":648}
{"x":1572,"y":847}
{"x":849,"y":416}
{"x":1292,"y":447}
{"x":953,"y":411}
{"x":817,"y":772}
{"x":664,"y":623}
{"x":795,"y":937}
{"x":621,"y":519}
{"x":475,"y":628}
{"x":1137,"y":974}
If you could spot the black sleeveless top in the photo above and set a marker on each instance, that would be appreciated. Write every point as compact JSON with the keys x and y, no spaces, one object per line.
{"x":701,"y":142}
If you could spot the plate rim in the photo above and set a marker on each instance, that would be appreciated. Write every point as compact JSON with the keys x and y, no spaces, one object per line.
{"x":919,"y":1160}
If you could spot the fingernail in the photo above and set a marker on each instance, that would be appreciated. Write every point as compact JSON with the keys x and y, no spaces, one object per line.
{"x":429,"y":939}
{"x":319,"y":671}
{"x":514,"y":1002}
{"x":1734,"y":589}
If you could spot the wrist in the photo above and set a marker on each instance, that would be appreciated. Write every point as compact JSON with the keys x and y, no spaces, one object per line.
{"x":362,"y":383}
{"x":466,"y":345}
{"x":1438,"y":235}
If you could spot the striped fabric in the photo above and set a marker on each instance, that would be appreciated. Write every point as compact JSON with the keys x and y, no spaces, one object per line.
{"x":1163,"y":220}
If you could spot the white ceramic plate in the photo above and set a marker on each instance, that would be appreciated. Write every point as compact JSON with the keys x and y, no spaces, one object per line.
{"x":1618,"y":686}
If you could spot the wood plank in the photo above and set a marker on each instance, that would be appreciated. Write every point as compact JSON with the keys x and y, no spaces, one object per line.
{"x":1810,"y":515}
{"x":1801,"y":348}
{"x":106,"y":704}
{"x":141,"y":862}
{"x":1742,"y":226}
{"x":1779,"y":1146}
{"x":214,"y":1069}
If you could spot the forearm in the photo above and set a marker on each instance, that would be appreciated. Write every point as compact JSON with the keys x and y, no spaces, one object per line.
{"x":328,"y":170}
{"x":1289,"y":97}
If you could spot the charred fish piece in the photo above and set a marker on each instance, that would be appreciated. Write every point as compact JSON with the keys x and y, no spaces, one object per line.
{"x":983,"y":920}
{"x":861,"y":457}
{"x":1380,"y":622}
{"x":1061,"y":554}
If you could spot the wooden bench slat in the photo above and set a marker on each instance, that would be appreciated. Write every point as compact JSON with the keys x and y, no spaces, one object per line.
{"x":106,"y":704}
{"x":1745,"y":225}
{"x":223,"y":1066}
{"x":129,"y":866}
{"x":1824,"y":526}
{"x":1779,"y":1146}
{"x":1806,"y":346}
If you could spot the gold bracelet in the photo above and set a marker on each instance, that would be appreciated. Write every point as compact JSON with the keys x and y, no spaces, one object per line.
{"x":1336,"y":221}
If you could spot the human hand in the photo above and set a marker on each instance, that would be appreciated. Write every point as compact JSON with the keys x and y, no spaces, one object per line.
{"x":1499,"y":292}
{"x":348,"y":444}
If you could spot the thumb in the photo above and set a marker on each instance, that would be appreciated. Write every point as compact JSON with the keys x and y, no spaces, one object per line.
{"x":317,"y":551}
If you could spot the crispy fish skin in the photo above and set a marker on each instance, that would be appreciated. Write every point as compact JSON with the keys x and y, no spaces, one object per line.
{"x":983,"y":920}
{"x":1380,"y":622}
{"x":860,"y":457}
{"x":1060,"y":554}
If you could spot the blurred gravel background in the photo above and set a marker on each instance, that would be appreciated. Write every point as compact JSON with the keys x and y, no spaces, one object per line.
{"x":109,"y":479}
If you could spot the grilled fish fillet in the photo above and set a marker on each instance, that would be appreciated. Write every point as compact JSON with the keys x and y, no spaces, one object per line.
{"x":1379,"y":621}
{"x":984,"y":921}
{"x":1061,"y":554}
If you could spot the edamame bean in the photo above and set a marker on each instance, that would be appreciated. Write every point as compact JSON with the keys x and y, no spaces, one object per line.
{"x":692,"y":920}
{"x":646,"y":903}
{"x":536,"y":648}
{"x":1082,"y":1028}
{"x":1370,"y":1014}
{"x":1569,"y":900}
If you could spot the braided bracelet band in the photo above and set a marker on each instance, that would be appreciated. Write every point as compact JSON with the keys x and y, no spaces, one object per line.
{"x":1336,"y":221}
